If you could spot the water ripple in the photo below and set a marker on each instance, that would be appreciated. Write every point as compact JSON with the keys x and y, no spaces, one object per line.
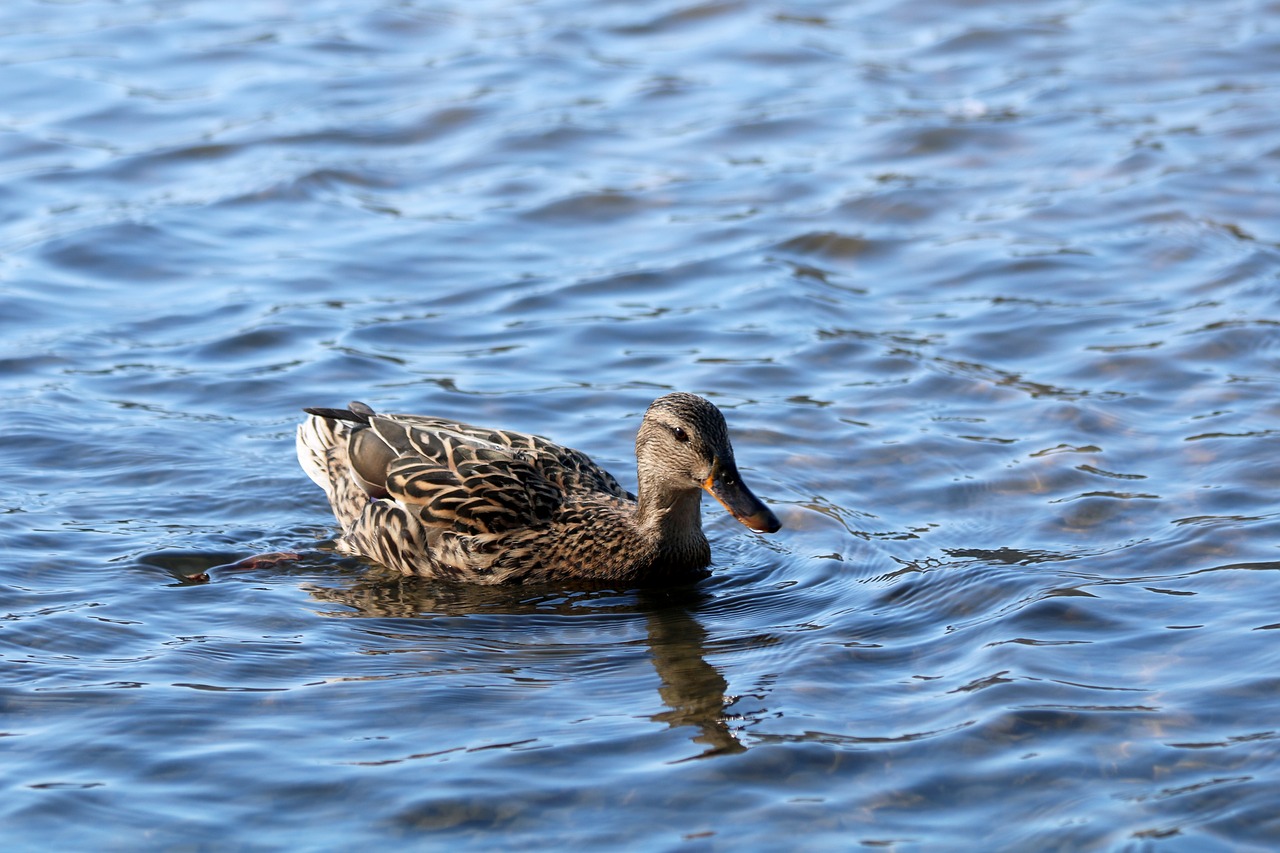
{"x":986,"y":292}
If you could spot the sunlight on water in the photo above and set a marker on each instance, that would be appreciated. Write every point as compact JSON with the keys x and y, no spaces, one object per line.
{"x":986,"y":292}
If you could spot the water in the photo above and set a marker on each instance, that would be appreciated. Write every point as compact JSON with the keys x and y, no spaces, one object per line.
{"x":987,"y":291}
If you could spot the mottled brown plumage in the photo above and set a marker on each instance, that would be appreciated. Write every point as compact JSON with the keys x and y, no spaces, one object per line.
{"x":438,"y":498}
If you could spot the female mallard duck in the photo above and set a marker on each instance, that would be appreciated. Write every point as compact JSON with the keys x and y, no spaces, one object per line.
{"x":442,"y":499}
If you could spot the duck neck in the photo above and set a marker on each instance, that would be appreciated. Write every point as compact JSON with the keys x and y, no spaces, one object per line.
{"x":674,"y":521}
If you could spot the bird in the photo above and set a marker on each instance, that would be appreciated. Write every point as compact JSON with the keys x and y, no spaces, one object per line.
{"x":437,"y":498}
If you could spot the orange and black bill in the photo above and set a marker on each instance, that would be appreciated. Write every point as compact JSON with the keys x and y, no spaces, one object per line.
{"x":726,"y":486}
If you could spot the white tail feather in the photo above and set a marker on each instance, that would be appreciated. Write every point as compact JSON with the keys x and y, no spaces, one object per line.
{"x":315,"y":437}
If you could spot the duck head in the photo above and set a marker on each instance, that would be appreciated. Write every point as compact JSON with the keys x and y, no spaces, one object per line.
{"x":683,"y":445}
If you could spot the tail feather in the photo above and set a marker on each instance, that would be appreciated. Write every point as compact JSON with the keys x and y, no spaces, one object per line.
{"x":317,"y":435}
{"x":355,"y":411}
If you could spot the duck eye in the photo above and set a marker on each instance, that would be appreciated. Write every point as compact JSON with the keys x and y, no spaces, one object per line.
{"x":680,"y":434}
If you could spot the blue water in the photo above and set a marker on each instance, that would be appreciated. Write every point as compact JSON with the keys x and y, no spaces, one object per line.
{"x":989,"y":294}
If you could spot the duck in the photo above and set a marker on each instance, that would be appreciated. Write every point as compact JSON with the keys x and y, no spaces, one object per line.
{"x":437,"y":498}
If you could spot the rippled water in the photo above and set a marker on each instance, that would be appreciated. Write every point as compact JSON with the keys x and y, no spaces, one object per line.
{"x":989,"y":293}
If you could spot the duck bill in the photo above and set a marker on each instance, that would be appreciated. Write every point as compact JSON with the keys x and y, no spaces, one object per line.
{"x":726,"y":486}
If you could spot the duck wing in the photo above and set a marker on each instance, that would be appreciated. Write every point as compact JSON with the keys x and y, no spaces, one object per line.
{"x":467,"y":479}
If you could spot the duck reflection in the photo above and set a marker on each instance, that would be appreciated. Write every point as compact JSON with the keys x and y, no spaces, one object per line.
{"x":693,"y":690}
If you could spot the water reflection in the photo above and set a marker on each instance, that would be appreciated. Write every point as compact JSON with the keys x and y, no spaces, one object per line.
{"x":693,"y":689}
{"x":694,"y":692}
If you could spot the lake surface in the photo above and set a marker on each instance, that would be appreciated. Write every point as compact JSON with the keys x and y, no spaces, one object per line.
{"x":989,"y":294}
